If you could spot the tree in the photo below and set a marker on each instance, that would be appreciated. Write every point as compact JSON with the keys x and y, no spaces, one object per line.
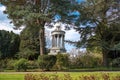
{"x":99,"y":17}
{"x":29,"y":44}
{"x":37,"y":13}
{"x":9,"y":44}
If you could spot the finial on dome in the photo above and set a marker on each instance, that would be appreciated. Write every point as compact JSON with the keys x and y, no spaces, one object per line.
{"x":58,"y":26}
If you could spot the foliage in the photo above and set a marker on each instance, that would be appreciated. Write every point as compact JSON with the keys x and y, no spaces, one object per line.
{"x":101,"y":29}
{"x":2,"y":65}
{"x":10,"y":64}
{"x":101,"y":76}
{"x":1,"y":54}
{"x":46,"y":62}
{"x":32,"y":64}
{"x":115,"y":62}
{"x":90,"y":61}
{"x":9,"y":44}
{"x":7,"y":64}
{"x":29,"y":41}
{"x":21,"y":64}
{"x":62,"y":62}
{"x":60,"y":76}
{"x":86,"y":61}
{"x":26,"y":53}
{"x":37,"y":13}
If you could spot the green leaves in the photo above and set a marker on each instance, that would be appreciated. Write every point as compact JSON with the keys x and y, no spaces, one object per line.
{"x":9,"y":44}
{"x":46,"y":62}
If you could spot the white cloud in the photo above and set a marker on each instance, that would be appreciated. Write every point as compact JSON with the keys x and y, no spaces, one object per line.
{"x":2,"y":8}
{"x":5,"y":22}
{"x":8,"y":27}
{"x":72,"y":35}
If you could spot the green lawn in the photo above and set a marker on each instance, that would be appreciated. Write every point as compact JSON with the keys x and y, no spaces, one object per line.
{"x":20,"y":75}
{"x":11,"y":76}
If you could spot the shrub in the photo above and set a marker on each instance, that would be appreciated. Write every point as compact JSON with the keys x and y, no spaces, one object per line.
{"x":85,"y":61}
{"x":62,"y":61}
{"x":46,"y":61}
{"x":10,"y":64}
{"x":115,"y":62}
{"x":2,"y":65}
{"x":32,"y":64}
{"x":100,"y":76}
{"x":0,"y":55}
{"x":88,"y":61}
{"x":21,"y":64}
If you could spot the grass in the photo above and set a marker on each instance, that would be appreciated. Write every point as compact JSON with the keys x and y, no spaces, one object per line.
{"x":74,"y":75}
{"x":11,"y":76}
{"x":73,"y":70}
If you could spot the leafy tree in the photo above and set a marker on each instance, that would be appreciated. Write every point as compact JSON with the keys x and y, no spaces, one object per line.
{"x":9,"y":44}
{"x":27,"y":54}
{"x":29,"y":44}
{"x":37,"y":13}
{"x":98,"y":17}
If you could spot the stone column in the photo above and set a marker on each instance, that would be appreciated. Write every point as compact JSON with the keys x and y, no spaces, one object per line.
{"x":52,"y":41}
{"x":57,"y":40}
{"x":62,"y":41}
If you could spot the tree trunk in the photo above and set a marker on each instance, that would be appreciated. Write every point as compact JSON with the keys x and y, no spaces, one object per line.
{"x":105,"y":58}
{"x":42,"y":40}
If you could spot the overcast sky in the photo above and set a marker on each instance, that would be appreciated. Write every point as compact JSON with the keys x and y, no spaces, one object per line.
{"x":5,"y":25}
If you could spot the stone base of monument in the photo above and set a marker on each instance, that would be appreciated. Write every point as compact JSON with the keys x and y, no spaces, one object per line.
{"x":55,"y":51}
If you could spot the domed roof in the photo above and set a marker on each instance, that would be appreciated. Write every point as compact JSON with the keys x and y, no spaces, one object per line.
{"x":58,"y":28}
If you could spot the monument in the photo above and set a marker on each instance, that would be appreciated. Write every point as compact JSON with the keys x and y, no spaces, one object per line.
{"x":57,"y":41}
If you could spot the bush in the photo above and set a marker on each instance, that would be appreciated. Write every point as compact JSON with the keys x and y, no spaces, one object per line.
{"x":32,"y":64}
{"x":100,"y":76}
{"x":86,"y":61}
{"x":62,"y":61}
{"x":21,"y":64}
{"x":115,"y":62}
{"x":10,"y":64}
{"x":46,"y":61}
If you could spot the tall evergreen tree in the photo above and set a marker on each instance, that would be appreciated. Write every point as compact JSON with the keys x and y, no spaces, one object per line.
{"x":29,"y":43}
{"x":37,"y":13}
{"x":9,"y":44}
{"x":98,"y":17}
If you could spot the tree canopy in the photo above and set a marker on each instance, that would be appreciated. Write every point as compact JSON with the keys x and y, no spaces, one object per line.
{"x":9,"y":44}
{"x":100,"y":20}
{"x":37,"y":13}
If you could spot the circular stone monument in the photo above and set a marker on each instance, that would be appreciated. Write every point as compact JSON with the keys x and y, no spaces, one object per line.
{"x":57,"y":41}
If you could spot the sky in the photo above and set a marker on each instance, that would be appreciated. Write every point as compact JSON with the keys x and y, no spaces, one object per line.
{"x":5,"y":25}
{"x":5,"y":22}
